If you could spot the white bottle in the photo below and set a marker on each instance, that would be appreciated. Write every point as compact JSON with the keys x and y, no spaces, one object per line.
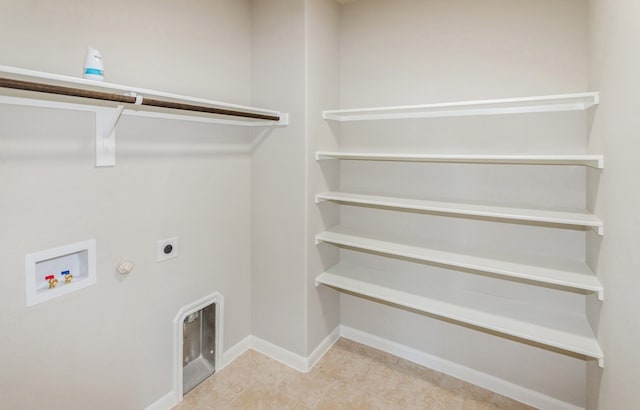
{"x":93,"y":68}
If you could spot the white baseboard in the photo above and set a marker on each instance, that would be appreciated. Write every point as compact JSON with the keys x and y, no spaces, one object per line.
{"x":277,"y":353}
{"x":293,"y":360}
{"x":323,"y":348}
{"x":165,"y":402}
{"x":300,"y":363}
{"x":467,"y":374}
{"x":234,"y":352}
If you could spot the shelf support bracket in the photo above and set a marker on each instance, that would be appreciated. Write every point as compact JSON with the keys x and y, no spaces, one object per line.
{"x":601,"y":363}
{"x":106,"y":121}
{"x":599,"y":230}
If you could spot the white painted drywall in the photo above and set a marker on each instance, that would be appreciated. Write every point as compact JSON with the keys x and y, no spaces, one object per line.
{"x":278,"y":177}
{"x":322,"y":67}
{"x":294,"y":67}
{"x":110,"y":346}
{"x":411,"y":51}
{"x":614,"y":64}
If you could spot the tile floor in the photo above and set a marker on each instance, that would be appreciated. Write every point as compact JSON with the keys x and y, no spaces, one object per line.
{"x":349,"y":376}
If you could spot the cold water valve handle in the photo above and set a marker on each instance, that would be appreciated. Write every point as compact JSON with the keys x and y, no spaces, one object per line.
{"x":67,"y":276}
{"x":52,"y":281}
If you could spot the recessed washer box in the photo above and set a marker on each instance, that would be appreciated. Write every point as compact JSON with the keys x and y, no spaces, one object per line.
{"x":76,"y":259}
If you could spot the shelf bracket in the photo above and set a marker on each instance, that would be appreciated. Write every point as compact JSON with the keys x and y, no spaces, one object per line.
{"x":600,"y":295}
{"x":601,"y":363}
{"x":106,"y":121}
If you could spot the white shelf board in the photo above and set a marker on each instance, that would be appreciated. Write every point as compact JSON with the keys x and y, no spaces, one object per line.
{"x":521,"y":105}
{"x":563,"y":331}
{"x":16,"y":97}
{"x":563,"y":217}
{"x":595,"y":161}
{"x":544,"y":270}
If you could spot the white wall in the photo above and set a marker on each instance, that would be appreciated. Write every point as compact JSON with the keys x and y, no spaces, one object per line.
{"x":410,"y":51}
{"x":323,"y":304}
{"x":110,"y":346}
{"x":294,"y":67}
{"x":278,"y":177}
{"x":614,"y":64}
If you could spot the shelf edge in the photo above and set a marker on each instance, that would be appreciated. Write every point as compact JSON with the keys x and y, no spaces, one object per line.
{"x":595,"y":287}
{"x":589,"y":160}
{"x":322,"y":279}
{"x":433,"y":207}
{"x":581,"y":101}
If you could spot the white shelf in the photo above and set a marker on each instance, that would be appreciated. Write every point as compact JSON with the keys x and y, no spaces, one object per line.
{"x":568,"y":332}
{"x":595,"y":161}
{"x":547,"y":103}
{"x":565,"y":273}
{"x":563,"y":217}
{"x":109,"y":102}
{"x":85,"y":104}
{"x":504,"y":315}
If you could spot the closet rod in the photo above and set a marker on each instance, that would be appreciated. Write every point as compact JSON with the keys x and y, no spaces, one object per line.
{"x":106,"y":96}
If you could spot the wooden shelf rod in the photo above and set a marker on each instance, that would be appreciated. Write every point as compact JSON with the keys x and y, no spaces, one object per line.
{"x":127,"y":99}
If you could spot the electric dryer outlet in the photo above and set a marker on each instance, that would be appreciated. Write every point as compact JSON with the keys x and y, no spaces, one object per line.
{"x":167,"y":248}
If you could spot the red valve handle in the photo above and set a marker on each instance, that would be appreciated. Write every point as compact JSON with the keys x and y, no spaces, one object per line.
{"x":49,"y":277}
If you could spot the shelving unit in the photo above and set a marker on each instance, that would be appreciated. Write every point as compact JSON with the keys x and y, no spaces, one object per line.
{"x":561,"y":217}
{"x":110,"y":101}
{"x":565,"y":273}
{"x":546,"y":103}
{"x":504,"y":315}
{"x":594,"y":161}
{"x":571,"y":333}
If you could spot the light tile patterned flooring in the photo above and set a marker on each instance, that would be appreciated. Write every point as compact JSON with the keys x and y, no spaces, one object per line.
{"x":349,"y":376}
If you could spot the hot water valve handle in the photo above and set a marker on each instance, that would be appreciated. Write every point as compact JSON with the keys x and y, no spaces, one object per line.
{"x":52,"y":281}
